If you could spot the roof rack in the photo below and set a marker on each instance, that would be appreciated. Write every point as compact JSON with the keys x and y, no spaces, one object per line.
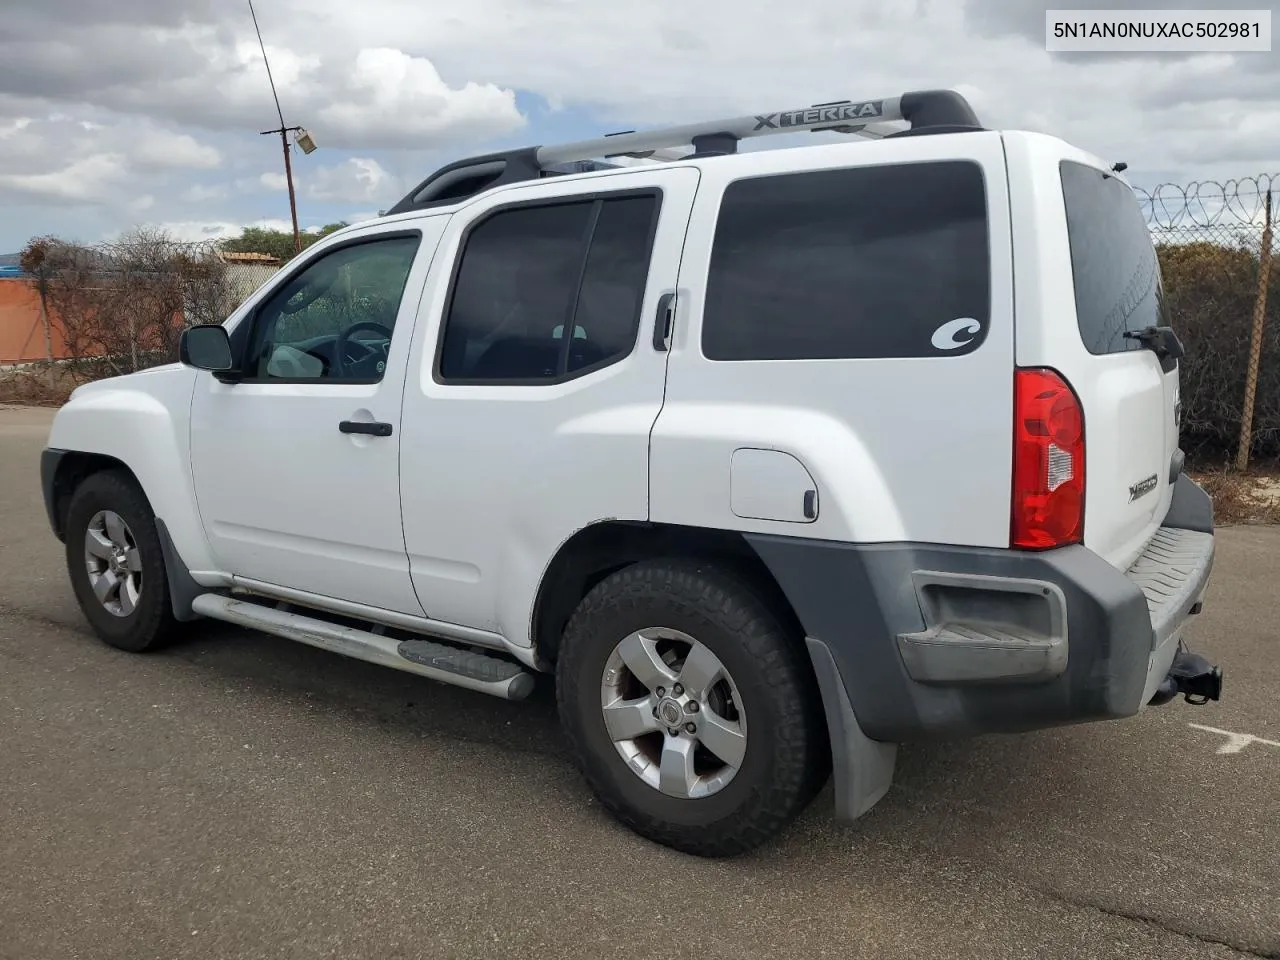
{"x":927,"y":111}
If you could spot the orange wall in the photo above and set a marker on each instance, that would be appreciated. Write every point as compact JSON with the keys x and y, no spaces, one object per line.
{"x":21,"y":331}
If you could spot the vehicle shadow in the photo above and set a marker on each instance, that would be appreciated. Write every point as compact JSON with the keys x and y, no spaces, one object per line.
{"x":352,"y":690}
{"x":939,"y":789}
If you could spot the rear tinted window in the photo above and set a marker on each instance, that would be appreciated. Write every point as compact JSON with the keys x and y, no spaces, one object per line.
{"x":543,"y":292}
{"x":1113,"y":263}
{"x":887,"y":261}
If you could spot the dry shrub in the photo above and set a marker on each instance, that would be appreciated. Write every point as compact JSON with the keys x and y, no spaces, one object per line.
{"x":122,"y":306}
{"x":1238,"y":497}
{"x":39,"y":385}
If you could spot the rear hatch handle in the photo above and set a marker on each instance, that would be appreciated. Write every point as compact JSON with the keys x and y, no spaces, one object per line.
{"x":1161,"y":341}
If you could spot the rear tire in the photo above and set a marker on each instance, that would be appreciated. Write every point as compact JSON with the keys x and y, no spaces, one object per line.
{"x":116,"y":564}
{"x":765,"y":752}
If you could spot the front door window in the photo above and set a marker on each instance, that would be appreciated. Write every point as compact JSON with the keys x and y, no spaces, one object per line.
{"x":334,"y":320}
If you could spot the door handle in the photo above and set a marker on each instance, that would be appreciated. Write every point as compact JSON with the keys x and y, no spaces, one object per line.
{"x":373,"y":429}
{"x":662,"y":322}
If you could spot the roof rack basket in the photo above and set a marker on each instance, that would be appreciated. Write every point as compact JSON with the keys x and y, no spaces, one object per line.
{"x":927,"y":111}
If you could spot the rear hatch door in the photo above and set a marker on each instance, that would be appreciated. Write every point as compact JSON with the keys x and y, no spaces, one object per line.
{"x":1127,"y":375}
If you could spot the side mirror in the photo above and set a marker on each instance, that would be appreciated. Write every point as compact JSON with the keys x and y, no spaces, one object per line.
{"x":206,"y":347}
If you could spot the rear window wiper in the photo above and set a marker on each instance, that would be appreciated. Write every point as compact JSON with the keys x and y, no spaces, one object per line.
{"x":1161,"y":341}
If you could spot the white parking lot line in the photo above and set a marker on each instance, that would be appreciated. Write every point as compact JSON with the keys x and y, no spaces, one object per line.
{"x":1235,"y":741}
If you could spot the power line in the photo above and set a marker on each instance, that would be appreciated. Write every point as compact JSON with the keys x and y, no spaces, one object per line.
{"x":284,"y":134}
{"x":263,"y":47}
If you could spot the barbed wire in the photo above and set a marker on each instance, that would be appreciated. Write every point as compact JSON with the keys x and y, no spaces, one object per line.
{"x":1207,"y":204}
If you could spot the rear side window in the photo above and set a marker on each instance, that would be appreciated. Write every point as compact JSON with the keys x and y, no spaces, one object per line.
{"x":866,"y":262}
{"x":546,"y":292}
{"x":1113,"y":262}
{"x":614,"y":280}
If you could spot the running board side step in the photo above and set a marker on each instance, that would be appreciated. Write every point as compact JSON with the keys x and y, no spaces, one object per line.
{"x":426,"y":658}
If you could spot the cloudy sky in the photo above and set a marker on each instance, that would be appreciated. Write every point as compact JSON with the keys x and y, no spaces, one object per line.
{"x":115,"y":113}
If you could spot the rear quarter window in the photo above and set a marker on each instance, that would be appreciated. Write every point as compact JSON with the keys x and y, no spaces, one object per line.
{"x":862,"y":262}
{"x":1114,"y":268}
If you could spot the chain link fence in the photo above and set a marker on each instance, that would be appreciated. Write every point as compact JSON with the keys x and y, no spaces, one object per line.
{"x":243,"y":279}
{"x":1213,"y":240}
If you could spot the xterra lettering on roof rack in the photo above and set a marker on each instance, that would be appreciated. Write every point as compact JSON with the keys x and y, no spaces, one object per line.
{"x":822,"y":113}
{"x":927,"y":111}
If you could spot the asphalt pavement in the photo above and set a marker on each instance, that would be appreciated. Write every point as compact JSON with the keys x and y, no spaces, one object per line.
{"x":240,"y":796}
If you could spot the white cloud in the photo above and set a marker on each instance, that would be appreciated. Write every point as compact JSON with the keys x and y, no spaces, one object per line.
{"x":11,"y":127}
{"x":356,"y":180}
{"x":166,"y":149}
{"x":166,"y":98}
{"x":668,"y":61}
{"x":62,"y":158}
{"x":85,"y":181}
{"x":388,"y":73}
{"x":206,"y":75}
{"x":390,"y":98}
{"x":203,"y":193}
{"x":191,"y":231}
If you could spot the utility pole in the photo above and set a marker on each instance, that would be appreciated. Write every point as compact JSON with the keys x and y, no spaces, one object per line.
{"x":288,"y":175}
{"x":284,"y":132}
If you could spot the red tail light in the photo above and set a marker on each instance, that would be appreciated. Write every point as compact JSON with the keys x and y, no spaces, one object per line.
{"x":1048,"y":461}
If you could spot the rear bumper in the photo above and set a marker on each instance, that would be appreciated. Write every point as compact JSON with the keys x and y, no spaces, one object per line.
{"x":932,"y":642}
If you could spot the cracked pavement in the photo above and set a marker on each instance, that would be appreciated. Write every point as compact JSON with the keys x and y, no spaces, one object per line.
{"x":243,"y":796}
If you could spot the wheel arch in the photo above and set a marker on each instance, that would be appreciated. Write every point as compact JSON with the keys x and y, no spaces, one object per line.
{"x":601,"y":549}
{"x":140,"y":422}
{"x":862,"y":769}
{"x":62,"y":473}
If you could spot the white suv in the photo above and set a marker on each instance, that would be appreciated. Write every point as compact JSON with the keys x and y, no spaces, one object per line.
{"x":775,"y":458}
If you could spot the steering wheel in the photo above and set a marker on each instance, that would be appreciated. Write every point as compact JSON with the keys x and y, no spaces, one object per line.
{"x":340,"y":345}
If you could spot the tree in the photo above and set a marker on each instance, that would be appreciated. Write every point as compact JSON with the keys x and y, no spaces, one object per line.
{"x":275,"y":243}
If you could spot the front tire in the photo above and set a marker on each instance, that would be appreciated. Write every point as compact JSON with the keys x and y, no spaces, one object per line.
{"x":691,"y":710}
{"x":116,"y":564}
